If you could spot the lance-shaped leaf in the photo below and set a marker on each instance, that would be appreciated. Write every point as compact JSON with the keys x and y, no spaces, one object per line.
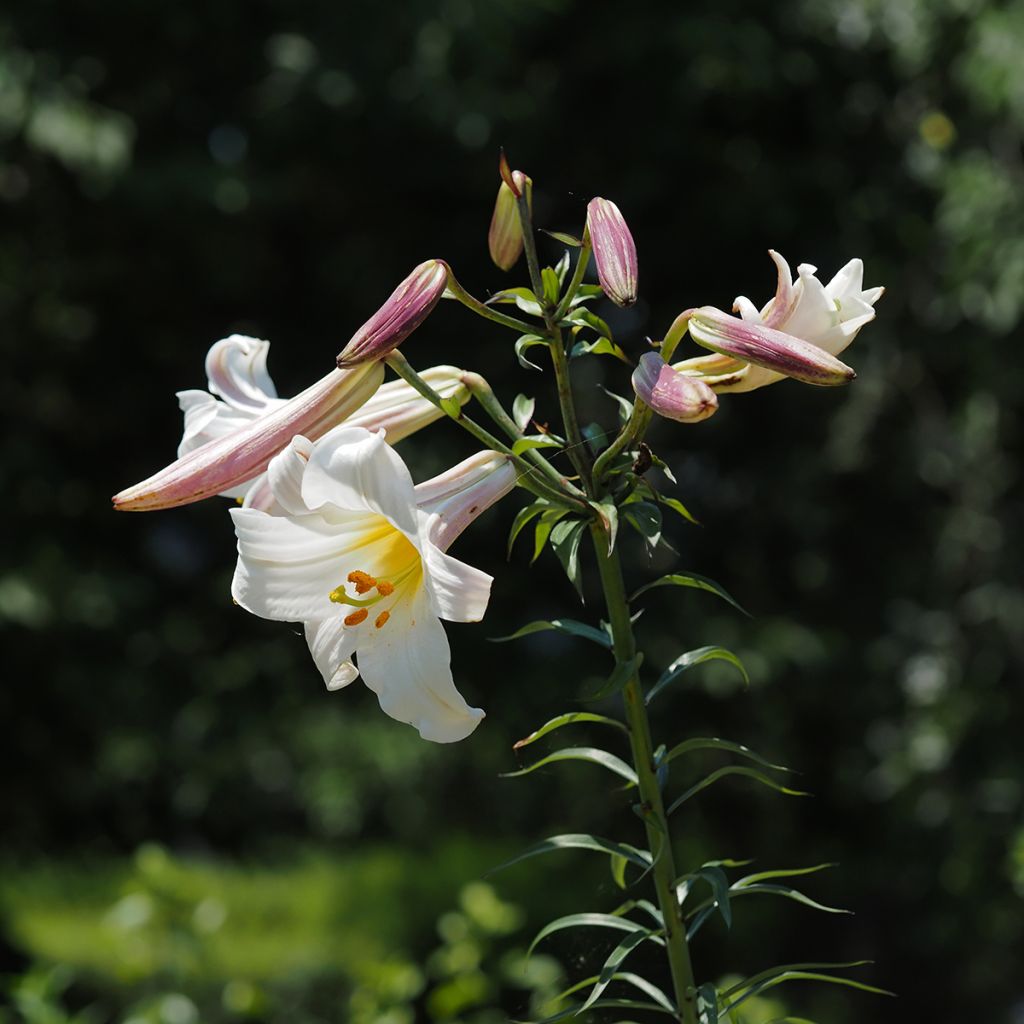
{"x":688,"y":660}
{"x":622,"y":924}
{"x":733,"y":769}
{"x":691,"y":579}
{"x":581,"y":841}
{"x":713,"y":743}
{"x":408,"y":306}
{"x":570,"y":718}
{"x":605,"y":1004}
{"x":237,"y":457}
{"x":797,"y":972}
{"x":568,"y":626}
{"x":612,"y":964}
{"x":671,"y":394}
{"x":592,"y":754}
{"x":627,"y":978}
{"x":766,"y":347}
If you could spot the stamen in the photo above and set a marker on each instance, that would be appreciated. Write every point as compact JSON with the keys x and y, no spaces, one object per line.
{"x":356,"y":617}
{"x":382,"y":618}
{"x":363,"y":581}
{"x":385,"y":589}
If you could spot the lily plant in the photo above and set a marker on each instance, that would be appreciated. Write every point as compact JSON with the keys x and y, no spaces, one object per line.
{"x":334,"y":533}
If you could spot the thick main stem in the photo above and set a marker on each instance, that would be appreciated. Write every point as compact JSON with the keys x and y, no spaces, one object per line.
{"x":652,"y":806}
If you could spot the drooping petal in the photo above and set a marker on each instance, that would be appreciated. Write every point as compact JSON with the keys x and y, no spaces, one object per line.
{"x":407,"y":663}
{"x":458,"y":592}
{"x":779,"y":309}
{"x":284,"y":479}
{"x":356,"y":470}
{"x":236,"y":368}
{"x":674,"y":395}
{"x":332,"y":646}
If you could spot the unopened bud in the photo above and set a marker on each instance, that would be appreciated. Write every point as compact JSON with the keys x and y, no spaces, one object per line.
{"x":409,"y":305}
{"x":670,"y":393}
{"x":766,"y":347}
{"x":614,"y":251}
{"x":505,"y":238}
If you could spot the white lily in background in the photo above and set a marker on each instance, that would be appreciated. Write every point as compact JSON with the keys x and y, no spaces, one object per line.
{"x":350,"y":548}
{"x":825,"y":316}
{"x":242,"y":394}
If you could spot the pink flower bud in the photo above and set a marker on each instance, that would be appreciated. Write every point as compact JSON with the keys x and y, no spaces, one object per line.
{"x":672,"y":394}
{"x":410,"y":304}
{"x":766,"y":347}
{"x":614,"y":251}
{"x":242,"y":454}
{"x":505,"y":238}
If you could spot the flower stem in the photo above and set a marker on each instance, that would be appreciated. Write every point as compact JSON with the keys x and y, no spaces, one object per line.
{"x":528,"y":477}
{"x":651,"y":804}
{"x":577,"y":447}
{"x":635,"y":427}
{"x":481,"y":309}
{"x":530,"y":246}
{"x":575,"y":281}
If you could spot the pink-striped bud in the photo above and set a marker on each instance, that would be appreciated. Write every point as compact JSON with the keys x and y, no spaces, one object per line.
{"x":670,"y":393}
{"x":236,"y":457}
{"x":452,"y":500}
{"x":766,"y":347}
{"x":614,"y":251}
{"x":505,"y":238}
{"x":409,"y":305}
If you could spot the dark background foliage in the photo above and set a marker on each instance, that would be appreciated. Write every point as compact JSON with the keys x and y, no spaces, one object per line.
{"x":172,"y":173}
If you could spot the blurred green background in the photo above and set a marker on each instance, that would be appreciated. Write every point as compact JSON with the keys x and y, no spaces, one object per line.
{"x":193,"y":829}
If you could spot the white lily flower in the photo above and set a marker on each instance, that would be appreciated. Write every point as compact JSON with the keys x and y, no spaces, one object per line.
{"x":241,"y":391}
{"x":826,"y":316}
{"x":350,"y":548}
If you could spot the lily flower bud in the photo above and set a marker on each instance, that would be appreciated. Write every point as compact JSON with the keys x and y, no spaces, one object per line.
{"x":452,"y":500}
{"x":236,"y":457}
{"x":505,"y":237}
{"x":670,"y":393}
{"x":409,"y":305}
{"x":766,"y":347}
{"x":614,"y":251}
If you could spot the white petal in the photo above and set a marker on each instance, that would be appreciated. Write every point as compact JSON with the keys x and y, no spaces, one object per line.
{"x":813,"y":313}
{"x":237,"y":371}
{"x":353,"y":469}
{"x":407,"y":663}
{"x":332,"y":644}
{"x":746,"y":309}
{"x":284,"y":476}
{"x":459,"y":593}
{"x":750,"y":378}
{"x":872,"y":295}
{"x":849,"y":280}
{"x":288,"y":567}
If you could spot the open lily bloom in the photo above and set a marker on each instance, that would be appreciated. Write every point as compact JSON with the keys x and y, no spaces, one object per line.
{"x":242,"y":396}
{"x":350,"y":548}
{"x":825,"y":316}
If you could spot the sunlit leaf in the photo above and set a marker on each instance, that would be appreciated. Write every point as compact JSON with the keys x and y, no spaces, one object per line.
{"x":786,"y":976}
{"x":568,"y":626}
{"x":542,"y":529}
{"x":694,"y":581}
{"x":711,"y":743}
{"x":522,"y":410}
{"x":762,"y":876}
{"x":549,"y":278}
{"x":645,"y":518}
{"x":600,"y":347}
{"x":621,"y":674}
{"x":528,"y":341}
{"x":523,"y":517}
{"x":732,"y":769}
{"x":561,"y":236}
{"x":524,"y":444}
{"x":570,"y":718}
{"x":565,"y":542}
{"x":604,"y":1004}
{"x":756,"y":979}
{"x":775,"y":889}
{"x":581,"y":841}
{"x":592,"y":754}
{"x":689,"y":660}
{"x":622,"y":924}
{"x":611,"y":965}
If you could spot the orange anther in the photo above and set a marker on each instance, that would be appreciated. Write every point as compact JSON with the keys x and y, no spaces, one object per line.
{"x":356,"y":617}
{"x":385,"y":589}
{"x":363,"y":581}
{"x":382,"y":618}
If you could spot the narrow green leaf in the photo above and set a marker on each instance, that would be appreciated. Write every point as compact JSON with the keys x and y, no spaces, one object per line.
{"x":549,"y":278}
{"x":689,"y":660}
{"x":762,"y":876}
{"x":774,"y":889}
{"x":618,"y":866}
{"x":525,"y":342}
{"x":733,"y":769}
{"x":829,"y":979}
{"x":523,"y":517}
{"x":621,"y":674}
{"x":625,"y":406}
{"x":645,"y":518}
{"x":565,"y":541}
{"x":524,"y":444}
{"x":568,"y":626}
{"x":600,"y":347}
{"x":710,"y":743}
{"x":542,"y":530}
{"x":562,"y":268}
{"x":604,"y":1004}
{"x":522,"y":410}
{"x":771,"y":972}
{"x":622,"y":924}
{"x":609,"y":515}
{"x":719,"y":883}
{"x":561,"y":236}
{"x":677,"y":506}
{"x":707,"y":996}
{"x":570,"y":718}
{"x":611,"y":965}
{"x":452,"y":407}
{"x":581,"y":841}
{"x":628,"y":978}
{"x":592,"y":754}
{"x":691,"y":579}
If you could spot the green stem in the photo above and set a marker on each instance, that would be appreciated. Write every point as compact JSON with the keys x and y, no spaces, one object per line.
{"x":481,"y":309}
{"x":664,"y":871}
{"x":528,"y":474}
{"x":575,"y":281}
{"x":636,"y":426}
{"x":676,"y":333}
{"x":530,"y":247}
{"x":577,"y":447}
